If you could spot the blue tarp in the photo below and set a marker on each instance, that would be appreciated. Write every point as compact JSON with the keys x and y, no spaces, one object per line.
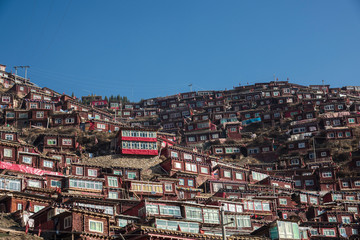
{"x":249,"y":121}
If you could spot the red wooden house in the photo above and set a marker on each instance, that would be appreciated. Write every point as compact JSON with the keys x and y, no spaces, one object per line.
{"x":72,"y":222}
{"x":137,"y":141}
{"x":56,"y":142}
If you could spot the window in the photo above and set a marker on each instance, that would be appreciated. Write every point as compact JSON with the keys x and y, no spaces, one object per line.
{"x":58,"y":120}
{"x":243,"y":221}
{"x":229,"y":150}
{"x":19,"y":206}
{"x":48,"y":164}
{"x":113,"y":195}
{"x":211,"y":215}
{"x":92,"y":172}
{"x":336,"y":197}
{"x":168,"y":187}
{"x":170,"y":210}
{"x":112,"y":181}
{"x":177,"y":226}
{"x":239,"y":176}
{"x":79,"y":171}
{"x":181,"y":182}
{"x":9,"y":136}
{"x":227,"y":174}
{"x":203,"y":137}
{"x":354,"y":231}
{"x":26,"y":159}
{"x":39,"y":114}
{"x":301,"y":145}
{"x":174,"y":154}
{"x":357,"y":183}
{"x":8,"y":152}
{"x":314,"y":232}
{"x":6,"y":99}
{"x":193,"y":213}
{"x":253,"y":151}
{"x":327,"y":174}
{"x":345,"y":219}
{"x":51,"y":141}
{"x":283,"y":201}
{"x":34,"y":183}
{"x":191,"y":139}
{"x":329,"y":107}
{"x":351,"y":120}
{"x":294,"y":161}
{"x":331,"y":219}
{"x":314,"y":200}
{"x":297,"y":183}
{"x":190,"y":183}
{"x":131,"y":175}
{"x":331,"y":135}
{"x":96,"y":226}
{"x":309,"y":182}
{"x":303,"y":198}
{"x":353,"y":209}
{"x":23,"y":115}
{"x":177,"y":165}
{"x":38,"y":208}
{"x":187,"y":156}
{"x":55,"y":183}
{"x":204,"y":170}
{"x":218,"y":150}
{"x":67,"y":141}
{"x":69,"y":120}
{"x":10,"y":184}
{"x":85,"y":184}
{"x":329,"y":232}
{"x":33,"y":105}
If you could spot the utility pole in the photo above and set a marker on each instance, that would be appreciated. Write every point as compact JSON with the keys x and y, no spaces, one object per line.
{"x":16,"y":68}
{"x":190,"y":85}
{"x":26,"y":67}
{"x":222,"y":218}
{"x":314,"y":149}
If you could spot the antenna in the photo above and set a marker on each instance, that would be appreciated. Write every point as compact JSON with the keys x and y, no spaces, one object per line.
{"x":190,"y":85}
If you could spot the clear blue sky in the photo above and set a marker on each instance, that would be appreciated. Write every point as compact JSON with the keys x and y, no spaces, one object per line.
{"x":150,"y":48}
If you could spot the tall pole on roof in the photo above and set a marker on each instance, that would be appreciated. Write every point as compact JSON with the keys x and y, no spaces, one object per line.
{"x":222,"y":217}
{"x":26,"y":67}
{"x":16,"y":67}
{"x":190,"y":85}
{"x":314,"y":149}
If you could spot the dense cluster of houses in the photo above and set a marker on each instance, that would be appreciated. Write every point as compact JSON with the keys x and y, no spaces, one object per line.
{"x":196,"y":165}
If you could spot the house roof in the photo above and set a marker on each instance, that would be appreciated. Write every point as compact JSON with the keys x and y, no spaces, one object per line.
{"x":133,"y":162}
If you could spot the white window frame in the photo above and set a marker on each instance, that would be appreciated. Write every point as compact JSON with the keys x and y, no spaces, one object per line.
{"x":48,"y":164}
{"x":8,"y":152}
{"x":96,"y":222}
